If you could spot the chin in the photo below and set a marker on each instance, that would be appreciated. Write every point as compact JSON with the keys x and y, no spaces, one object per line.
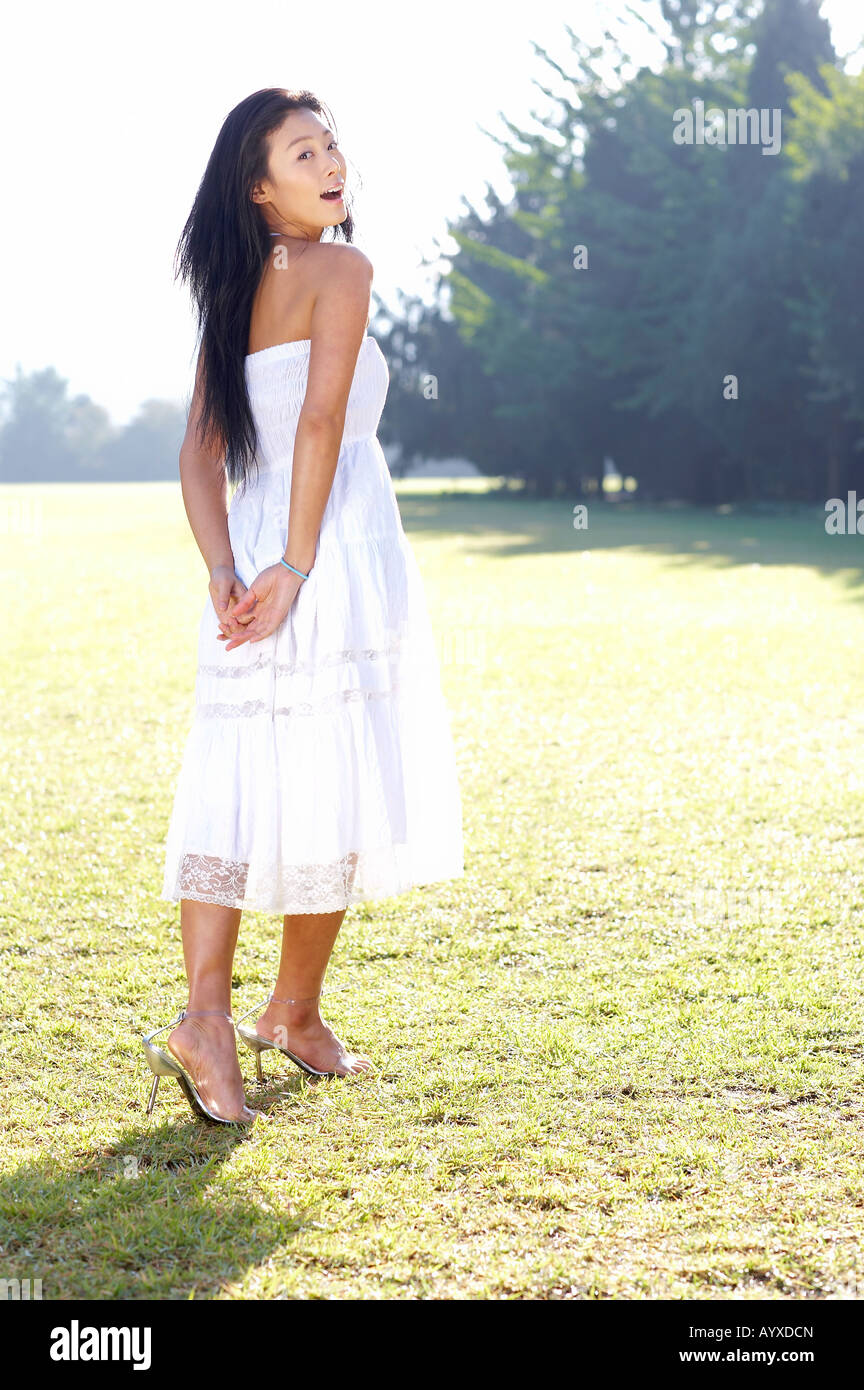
{"x":338,"y":215}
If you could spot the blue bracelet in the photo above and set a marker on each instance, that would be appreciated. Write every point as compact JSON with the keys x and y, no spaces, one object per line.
{"x":292,"y":569}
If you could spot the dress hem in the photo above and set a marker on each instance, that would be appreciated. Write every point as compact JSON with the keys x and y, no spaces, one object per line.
{"x":341,"y":904}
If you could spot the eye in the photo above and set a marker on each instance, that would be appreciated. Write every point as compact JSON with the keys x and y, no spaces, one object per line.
{"x":330,"y":146}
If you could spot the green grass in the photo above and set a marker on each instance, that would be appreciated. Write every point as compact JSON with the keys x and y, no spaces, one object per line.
{"x":622,"y":1058}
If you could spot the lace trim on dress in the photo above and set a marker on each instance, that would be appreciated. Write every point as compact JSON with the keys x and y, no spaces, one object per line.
{"x":250,"y":708}
{"x":222,"y":880}
{"x":308,"y":887}
{"x":226,"y":670}
{"x":337,"y":659}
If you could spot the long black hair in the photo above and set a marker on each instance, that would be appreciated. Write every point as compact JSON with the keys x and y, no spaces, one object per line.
{"x":221,"y":254}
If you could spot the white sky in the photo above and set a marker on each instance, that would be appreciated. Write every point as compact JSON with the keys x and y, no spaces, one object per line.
{"x":109,"y":113}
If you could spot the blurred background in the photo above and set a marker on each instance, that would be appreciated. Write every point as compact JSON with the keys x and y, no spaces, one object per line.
{"x":567,"y":296}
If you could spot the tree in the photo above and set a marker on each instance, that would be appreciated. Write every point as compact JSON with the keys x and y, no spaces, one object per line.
{"x":690,"y":343}
{"x":827,"y":306}
{"x":148,"y":447}
{"x":47,"y":436}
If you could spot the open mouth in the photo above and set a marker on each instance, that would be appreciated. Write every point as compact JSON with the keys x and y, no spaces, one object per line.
{"x":333,"y":195}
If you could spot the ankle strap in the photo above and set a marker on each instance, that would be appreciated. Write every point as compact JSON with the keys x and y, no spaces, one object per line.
{"x":274,"y":1000}
{"x":202,"y":1013}
{"x":185,"y":1013}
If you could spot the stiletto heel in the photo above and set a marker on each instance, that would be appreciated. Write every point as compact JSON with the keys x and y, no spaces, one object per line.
{"x":258,"y":1043}
{"x":162,"y":1063}
{"x":153,"y":1090}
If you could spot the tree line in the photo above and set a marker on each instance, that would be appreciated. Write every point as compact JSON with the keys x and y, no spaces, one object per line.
{"x":48,"y":435}
{"x":690,"y":308}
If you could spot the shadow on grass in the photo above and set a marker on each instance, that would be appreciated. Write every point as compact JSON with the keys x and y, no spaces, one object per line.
{"x":510,"y":523}
{"x":140,"y":1219}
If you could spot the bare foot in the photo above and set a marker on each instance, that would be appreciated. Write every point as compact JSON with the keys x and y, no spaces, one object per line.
{"x":301,"y":1029}
{"x":207,"y":1048}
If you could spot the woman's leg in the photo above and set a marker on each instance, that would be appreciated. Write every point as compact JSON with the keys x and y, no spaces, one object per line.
{"x":207,"y":1047}
{"x":307,"y":944}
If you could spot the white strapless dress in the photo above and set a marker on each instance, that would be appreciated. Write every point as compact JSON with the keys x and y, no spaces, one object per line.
{"x":319,"y":768}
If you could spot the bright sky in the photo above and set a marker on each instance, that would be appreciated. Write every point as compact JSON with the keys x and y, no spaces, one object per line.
{"x":110,"y":111}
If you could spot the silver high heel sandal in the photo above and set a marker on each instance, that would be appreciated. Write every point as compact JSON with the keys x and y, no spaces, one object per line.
{"x":260,"y":1044}
{"x":162,"y":1063}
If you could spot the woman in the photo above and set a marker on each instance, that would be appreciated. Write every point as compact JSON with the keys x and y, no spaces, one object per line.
{"x":319,"y":768}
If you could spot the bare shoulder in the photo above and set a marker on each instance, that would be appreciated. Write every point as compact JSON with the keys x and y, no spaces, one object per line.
{"x":342,"y":289}
{"x":343,"y":259}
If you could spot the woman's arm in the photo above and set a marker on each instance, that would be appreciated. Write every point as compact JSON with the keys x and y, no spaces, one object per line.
{"x":204,"y":485}
{"x":340,"y":314}
{"x":205,"y":489}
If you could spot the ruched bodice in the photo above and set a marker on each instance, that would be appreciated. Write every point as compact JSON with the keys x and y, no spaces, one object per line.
{"x":361,"y":508}
{"x":276,"y":381}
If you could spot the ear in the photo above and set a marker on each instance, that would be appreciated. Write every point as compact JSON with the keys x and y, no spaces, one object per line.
{"x":258,"y":195}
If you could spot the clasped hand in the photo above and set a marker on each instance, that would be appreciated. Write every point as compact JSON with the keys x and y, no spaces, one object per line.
{"x":250,"y":615}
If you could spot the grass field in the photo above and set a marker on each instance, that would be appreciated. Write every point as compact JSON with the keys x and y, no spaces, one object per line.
{"x":621,"y":1059}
